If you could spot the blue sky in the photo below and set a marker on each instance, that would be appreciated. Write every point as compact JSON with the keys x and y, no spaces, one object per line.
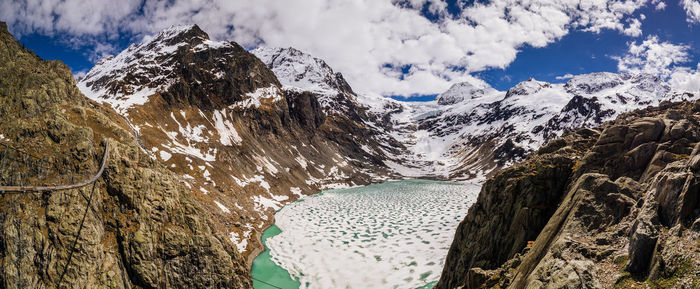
{"x":585,"y":52}
{"x":418,"y":73}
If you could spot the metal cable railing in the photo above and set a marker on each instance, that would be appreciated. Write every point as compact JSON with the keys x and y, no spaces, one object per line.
{"x":22,"y":188}
{"x":268,"y":284}
{"x":38,"y":165}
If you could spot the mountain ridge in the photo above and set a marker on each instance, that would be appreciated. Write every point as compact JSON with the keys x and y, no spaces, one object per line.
{"x":220,"y":119}
{"x":467,"y":134}
{"x":237,"y":136}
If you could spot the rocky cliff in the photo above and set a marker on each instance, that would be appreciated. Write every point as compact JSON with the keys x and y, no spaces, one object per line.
{"x":616,"y":206}
{"x":218,"y":117}
{"x":142,"y":229}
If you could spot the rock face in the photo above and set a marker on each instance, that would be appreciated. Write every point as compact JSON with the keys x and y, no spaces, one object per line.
{"x":142,"y":229}
{"x":244,"y":144}
{"x":615,"y":206}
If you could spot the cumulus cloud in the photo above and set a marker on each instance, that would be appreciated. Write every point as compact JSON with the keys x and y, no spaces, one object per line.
{"x":652,"y":56}
{"x":663,"y":59}
{"x":660,"y":5}
{"x":635,"y":27}
{"x":74,"y":17}
{"x":370,"y":41}
{"x":78,"y":75}
{"x":686,"y":79}
{"x":564,"y":77}
{"x":692,"y":10}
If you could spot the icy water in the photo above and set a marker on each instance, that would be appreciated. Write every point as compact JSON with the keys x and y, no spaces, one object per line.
{"x":390,"y":235}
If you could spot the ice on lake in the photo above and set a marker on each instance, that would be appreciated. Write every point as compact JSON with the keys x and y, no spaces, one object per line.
{"x":390,"y":235}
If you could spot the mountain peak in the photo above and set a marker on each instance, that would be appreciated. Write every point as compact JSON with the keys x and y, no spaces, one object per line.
{"x":299,"y":69}
{"x":175,"y":34}
{"x":183,"y":65}
{"x":594,"y":82}
{"x":461,"y":91}
{"x":527,"y":87}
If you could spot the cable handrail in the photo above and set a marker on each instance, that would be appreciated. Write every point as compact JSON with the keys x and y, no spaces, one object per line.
{"x":92,"y":181}
{"x":63,"y":187}
{"x":268,"y":284}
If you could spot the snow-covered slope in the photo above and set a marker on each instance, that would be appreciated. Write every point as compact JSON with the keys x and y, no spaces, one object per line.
{"x":482,"y":132}
{"x":242,"y":142}
{"x":250,"y":132}
{"x":470,"y":130}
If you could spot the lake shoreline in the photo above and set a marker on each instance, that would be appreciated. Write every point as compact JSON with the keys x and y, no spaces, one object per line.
{"x":399,"y":228}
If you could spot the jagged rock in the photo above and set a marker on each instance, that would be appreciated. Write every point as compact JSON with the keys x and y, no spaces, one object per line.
{"x":142,"y":228}
{"x":476,"y":277}
{"x":646,"y":130}
{"x":642,"y":245}
{"x":527,"y":196}
{"x":629,"y":205}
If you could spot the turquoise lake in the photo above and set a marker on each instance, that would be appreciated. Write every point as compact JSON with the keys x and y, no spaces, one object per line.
{"x":389,"y":235}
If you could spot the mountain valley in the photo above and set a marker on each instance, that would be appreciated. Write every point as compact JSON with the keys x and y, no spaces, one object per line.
{"x":579,"y":181}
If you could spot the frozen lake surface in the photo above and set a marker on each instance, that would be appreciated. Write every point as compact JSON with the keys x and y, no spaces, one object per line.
{"x":390,"y":235}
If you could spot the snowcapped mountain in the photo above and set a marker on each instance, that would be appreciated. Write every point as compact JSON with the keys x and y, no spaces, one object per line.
{"x":217,"y":116}
{"x":296,"y":69}
{"x":251,"y":131}
{"x":177,"y":59}
{"x":471,"y":131}
{"x":484,"y":131}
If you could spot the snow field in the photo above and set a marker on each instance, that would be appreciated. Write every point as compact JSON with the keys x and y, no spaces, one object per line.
{"x":390,"y":235}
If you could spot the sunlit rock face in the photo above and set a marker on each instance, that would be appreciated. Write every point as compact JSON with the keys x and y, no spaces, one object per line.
{"x":613,"y":206}
{"x":137,"y":226}
{"x":242,"y":143}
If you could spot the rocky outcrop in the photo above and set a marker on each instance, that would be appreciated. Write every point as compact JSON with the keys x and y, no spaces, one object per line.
{"x":513,"y":207}
{"x":142,"y":228}
{"x":621,"y":211}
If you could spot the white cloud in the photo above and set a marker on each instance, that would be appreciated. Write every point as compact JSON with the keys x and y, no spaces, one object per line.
{"x":358,"y":38}
{"x":692,"y":10}
{"x":652,"y":56}
{"x":564,"y":77}
{"x":662,"y":59}
{"x":686,"y":79}
{"x":74,"y":17}
{"x":79,"y":74}
{"x":661,"y":5}
{"x":635,"y":28}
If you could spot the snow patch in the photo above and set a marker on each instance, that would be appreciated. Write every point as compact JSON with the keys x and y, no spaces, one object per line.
{"x":227,"y":133}
{"x":222,"y":207}
{"x":165,"y":156}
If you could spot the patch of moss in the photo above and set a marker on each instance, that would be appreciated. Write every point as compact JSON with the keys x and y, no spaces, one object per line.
{"x":621,"y":260}
{"x":685,"y":267}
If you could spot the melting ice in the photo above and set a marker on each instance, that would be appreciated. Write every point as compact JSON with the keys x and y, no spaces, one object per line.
{"x":390,"y":235}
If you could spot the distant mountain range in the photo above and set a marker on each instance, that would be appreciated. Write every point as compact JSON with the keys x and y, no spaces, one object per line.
{"x":250,"y":131}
